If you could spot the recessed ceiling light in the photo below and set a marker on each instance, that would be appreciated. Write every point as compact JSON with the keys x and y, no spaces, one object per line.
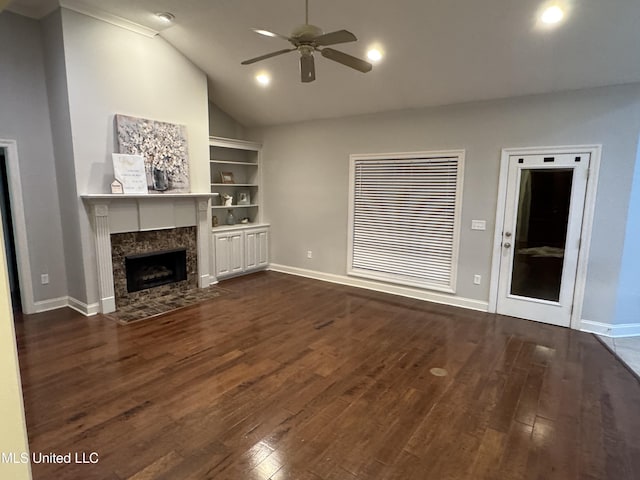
{"x":552,"y":15}
{"x":166,"y":17}
{"x":263,"y":79}
{"x":374,"y":55}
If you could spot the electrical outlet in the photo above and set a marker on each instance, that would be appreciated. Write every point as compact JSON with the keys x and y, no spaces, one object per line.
{"x":44,"y":278}
{"x":478,"y":225}
{"x":477,"y":279}
{"x":309,"y":254}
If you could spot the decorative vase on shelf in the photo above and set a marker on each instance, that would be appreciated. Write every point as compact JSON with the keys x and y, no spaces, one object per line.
{"x":160,"y":180}
{"x":231,"y":220}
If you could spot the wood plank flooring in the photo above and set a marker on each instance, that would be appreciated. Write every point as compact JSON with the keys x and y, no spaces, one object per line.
{"x":291,"y":378}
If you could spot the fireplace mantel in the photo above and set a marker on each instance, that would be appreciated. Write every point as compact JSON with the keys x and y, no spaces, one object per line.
{"x":118,"y":213}
{"x":116,"y":196}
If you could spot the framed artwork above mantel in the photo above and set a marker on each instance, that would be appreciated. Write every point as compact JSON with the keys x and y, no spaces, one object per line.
{"x":163,"y":146}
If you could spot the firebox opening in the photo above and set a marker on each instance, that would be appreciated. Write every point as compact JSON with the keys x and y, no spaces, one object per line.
{"x":148,"y":270}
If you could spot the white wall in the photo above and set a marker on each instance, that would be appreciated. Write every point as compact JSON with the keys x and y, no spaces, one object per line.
{"x":306,"y":175}
{"x":110,"y":70}
{"x":13,"y":434}
{"x":24,"y":117}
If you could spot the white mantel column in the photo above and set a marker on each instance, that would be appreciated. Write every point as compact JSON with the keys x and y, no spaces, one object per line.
{"x":103,"y":256}
{"x":204,"y":236}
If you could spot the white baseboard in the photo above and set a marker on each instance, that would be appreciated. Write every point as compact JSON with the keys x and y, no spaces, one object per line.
{"x":83,"y":308}
{"x":611,"y":330}
{"x":61,"y":302}
{"x":50,"y":304}
{"x":385,"y":288}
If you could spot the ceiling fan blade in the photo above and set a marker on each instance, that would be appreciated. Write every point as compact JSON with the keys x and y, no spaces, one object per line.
{"x":307,"y":68}
{"x":333,"y":38}
{"x":268,"y":33}
{"x":268,"y":55}
{"x":347,"y":60}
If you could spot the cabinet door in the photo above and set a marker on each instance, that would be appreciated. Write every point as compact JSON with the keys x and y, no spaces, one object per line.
{"x":256,"y":249}
{"x":222,"y":254}
{"x":236,"y":251}
{"x":251,"y":249}
{"x":262,"y":243}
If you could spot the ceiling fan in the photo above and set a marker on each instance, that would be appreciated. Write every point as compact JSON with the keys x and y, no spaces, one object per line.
{"x":307,"y":39}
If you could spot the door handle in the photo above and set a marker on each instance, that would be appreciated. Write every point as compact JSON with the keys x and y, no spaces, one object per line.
{"x":507,"y":245}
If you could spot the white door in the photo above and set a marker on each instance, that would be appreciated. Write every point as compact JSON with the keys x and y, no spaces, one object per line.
{"x":541,"y":236}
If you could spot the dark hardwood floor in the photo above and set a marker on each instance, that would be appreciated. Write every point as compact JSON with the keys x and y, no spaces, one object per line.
{"x":290,"y":378}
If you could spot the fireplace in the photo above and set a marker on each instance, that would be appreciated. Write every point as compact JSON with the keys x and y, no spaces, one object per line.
{"x":126,"y":225}
{"x":151,"y":264}
{"x":148,"y":270}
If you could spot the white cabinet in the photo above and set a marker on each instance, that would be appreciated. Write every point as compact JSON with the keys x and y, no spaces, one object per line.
{"x":240,"y":249}
{"x":256,"y":248}
{"x":229,"y":253}
{"x":235,"y":172}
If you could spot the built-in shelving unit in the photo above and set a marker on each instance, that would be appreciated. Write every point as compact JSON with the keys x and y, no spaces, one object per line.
{"x":235,"y":171}
{"x":235,"y":168}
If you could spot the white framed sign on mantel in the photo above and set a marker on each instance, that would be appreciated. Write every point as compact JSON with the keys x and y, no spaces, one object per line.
{"x":129,"y":171}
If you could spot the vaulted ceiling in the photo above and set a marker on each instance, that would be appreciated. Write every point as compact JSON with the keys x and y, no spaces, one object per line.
{"x":435,"y":51}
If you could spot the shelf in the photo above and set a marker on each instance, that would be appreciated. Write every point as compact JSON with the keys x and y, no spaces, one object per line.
{"x":239,"y":226}
{"x":231,"y":162}
{"x":234,"y":206}
{"x":234,"y":184}
{"x":234,"y":144}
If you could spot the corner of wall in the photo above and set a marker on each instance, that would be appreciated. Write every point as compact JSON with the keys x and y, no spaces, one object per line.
{"x":627,"y":310}
{"x":221,"y":124}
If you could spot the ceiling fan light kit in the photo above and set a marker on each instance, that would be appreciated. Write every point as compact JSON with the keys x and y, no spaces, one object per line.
{"x":307,"y":39}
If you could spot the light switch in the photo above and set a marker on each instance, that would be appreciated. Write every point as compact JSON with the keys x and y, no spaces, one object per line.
{"x":478,"y":225}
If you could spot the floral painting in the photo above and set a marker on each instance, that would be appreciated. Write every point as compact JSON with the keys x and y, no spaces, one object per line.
{"x":164,"y":148}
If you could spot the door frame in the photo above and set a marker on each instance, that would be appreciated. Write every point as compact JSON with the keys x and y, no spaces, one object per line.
{"x":19,"y":224}
{"x":595,"y":152}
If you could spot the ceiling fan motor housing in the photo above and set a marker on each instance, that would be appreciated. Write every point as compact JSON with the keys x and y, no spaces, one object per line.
{"x":306,"y":32}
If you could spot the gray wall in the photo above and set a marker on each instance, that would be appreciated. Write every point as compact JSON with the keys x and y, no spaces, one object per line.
{"x":110,"y":70}
{"x":55,"y":68}
{"x":24,"y":117}
{"x":628,"y":306}
{"x":306,"y":175}
{"x":221,"y":124}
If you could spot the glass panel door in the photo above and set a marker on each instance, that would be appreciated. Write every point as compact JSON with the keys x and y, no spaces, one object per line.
{"x":541,"y":233}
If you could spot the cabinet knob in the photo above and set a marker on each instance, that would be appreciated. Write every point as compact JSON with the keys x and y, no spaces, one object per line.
{"x":507,"y":245}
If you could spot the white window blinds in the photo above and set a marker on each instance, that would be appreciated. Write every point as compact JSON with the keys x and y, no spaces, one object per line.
{"x":404,"y":218}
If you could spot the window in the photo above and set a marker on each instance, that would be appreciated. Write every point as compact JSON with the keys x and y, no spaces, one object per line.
{"x":404,"y":218}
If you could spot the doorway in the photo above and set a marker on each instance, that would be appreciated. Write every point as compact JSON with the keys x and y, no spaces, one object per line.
{"x":7,"y":228}
{"x":543,"y":220}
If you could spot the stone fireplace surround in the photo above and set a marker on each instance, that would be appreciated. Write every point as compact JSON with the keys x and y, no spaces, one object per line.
{"x":115,"y":214}
{"x":132,"y":243}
